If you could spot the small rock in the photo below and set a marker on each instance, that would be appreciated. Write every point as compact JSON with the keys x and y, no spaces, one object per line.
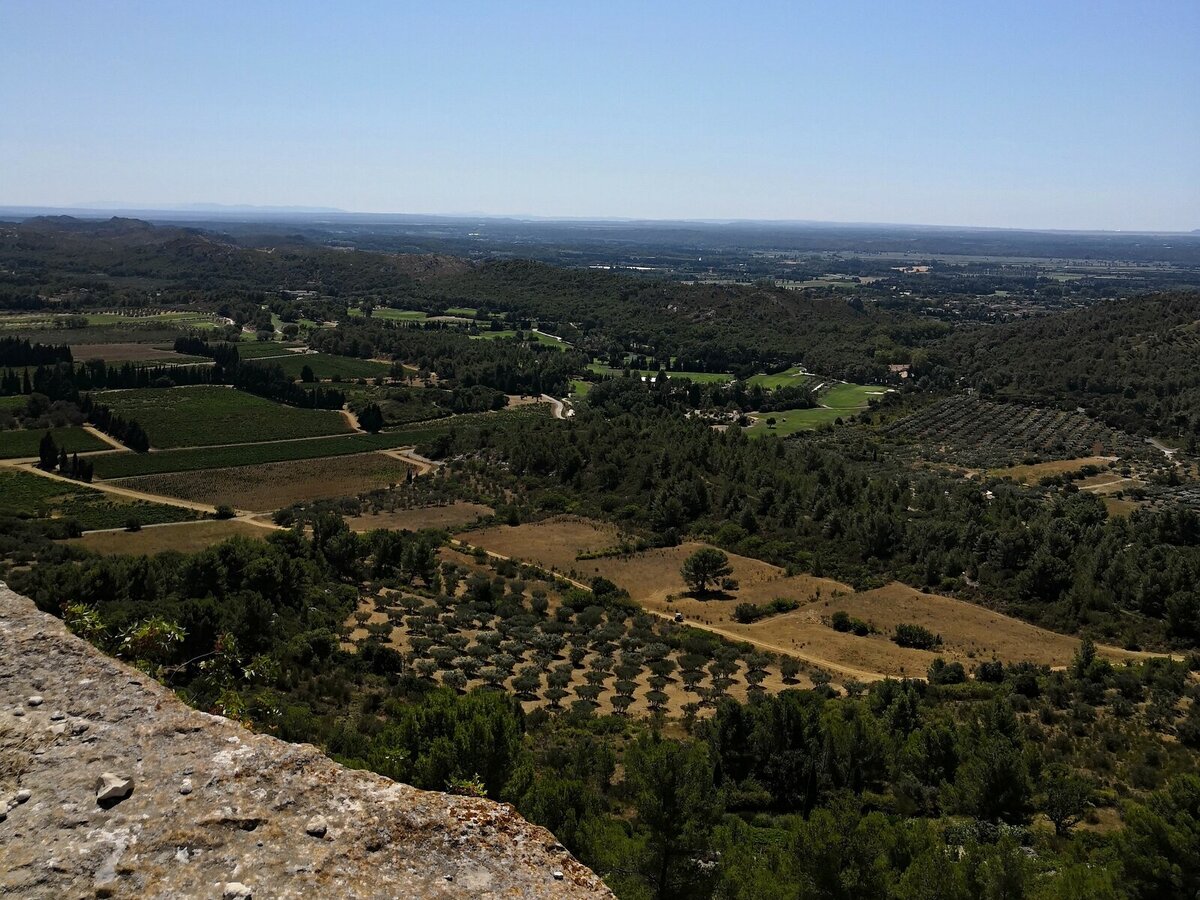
{"x":112,"y":789}
{"x":185,"y":786}
{"x":57,"y":729}
{"x":57,"y":716}
{"x":316,"y":826}
{"x":35,"y":700}
{"x":18,"y":712}
{"x":78,"y":727}
{"x":558,"y":876}
{"x":3,"y":815}
{"x":23,"y":795}
{"x":235,"y":890}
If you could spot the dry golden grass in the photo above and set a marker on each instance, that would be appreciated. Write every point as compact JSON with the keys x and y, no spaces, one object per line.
{"x":1031,"y":474}
{"x":186,"y":537}
{"x":551,"y":543}
{"x":274,"y":485}
{"x":970,"y":633}
{"x":450,"y":516}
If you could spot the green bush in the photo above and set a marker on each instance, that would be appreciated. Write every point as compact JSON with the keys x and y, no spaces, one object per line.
{"x":916,"y":636}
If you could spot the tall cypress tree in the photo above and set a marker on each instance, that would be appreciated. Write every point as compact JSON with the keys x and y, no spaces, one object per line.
{"x":47,"y":452}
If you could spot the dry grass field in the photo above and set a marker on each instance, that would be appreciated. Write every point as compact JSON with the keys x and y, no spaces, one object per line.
{"x":271,"y":486}
{"x":970,"y":633}
{"x":1031,"y":474}
{"x":552,"y":543}
{"x":450,"y":516}
{"x":186,"y":537}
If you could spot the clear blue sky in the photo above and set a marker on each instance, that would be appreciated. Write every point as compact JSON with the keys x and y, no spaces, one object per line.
{"x":1036,"y":114}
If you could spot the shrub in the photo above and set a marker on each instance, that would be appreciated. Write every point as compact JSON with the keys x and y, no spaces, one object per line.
{"x":942,"y":672}
{"x":842,"y":621}
{"x":916,"y":636}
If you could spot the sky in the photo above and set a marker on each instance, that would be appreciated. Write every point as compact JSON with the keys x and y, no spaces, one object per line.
{"x":1047,"y":114}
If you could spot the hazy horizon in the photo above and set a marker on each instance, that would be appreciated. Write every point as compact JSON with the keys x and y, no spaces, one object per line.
{"x":246,"y":212}
{"x":1074,"y":116}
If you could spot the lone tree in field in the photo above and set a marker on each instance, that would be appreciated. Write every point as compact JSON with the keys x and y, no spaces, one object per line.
{"x":705,"y":566}
{"x":371,"y":418}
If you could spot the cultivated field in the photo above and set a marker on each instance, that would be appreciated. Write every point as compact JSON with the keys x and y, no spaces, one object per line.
{"x":27,"y":494}
{"x":451,"y":515}
{"x":204,"y":415}
{"x":325,"y":366}
{"x":126,"y":465}
{"x":185,"y":537}
{"x":132,"y":352}
{"x":22,"y":443}
{"x":269,"y":486}
{"x":262,"y":349}
{"x":981,"y":434}
{"x":615,"y":664}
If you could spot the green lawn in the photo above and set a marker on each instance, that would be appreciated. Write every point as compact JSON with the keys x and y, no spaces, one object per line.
{"x":326,"y":365}
{"x":548,"y":339}
{"x":468,"y":312}
{"x":850,"y":396}
{"x":203,"y":415}
{"x":580,"y":388}
{"x":23,"y":493}
{"x":386,"y":312}
{"x":699,"y":377}
{"x":793,"y":420}
{"x":24,"y":442}
{"x":791,"y":378}
{"x":840,"y":400}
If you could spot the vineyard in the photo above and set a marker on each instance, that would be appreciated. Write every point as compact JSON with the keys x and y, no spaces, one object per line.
{"x":324,"y":365}
{"x":19,"y":443}
{"x":26,"y":494}
{"x":979,"y":433}
{"x":198,"y":416}
{"x":127,"y":465}
{"x":269,"y":486}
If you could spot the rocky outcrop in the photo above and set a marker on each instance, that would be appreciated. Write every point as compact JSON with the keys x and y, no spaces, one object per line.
{"x":110,"y":786}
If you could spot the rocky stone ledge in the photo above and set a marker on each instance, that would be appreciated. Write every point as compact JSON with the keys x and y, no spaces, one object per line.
{"x":110,"y":786}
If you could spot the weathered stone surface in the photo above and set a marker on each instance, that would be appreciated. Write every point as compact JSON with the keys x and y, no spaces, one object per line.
{"x":112,"y":788}
{"x":244,"y":823}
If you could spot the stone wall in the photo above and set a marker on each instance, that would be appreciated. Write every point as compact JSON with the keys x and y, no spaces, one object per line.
{"x":110,"y":786}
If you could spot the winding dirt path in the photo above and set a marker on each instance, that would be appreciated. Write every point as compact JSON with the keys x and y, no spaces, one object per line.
{"x":120,"y":491}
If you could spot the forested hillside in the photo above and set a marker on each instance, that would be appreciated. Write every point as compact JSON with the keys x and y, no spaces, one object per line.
{"x":1132,"y":362}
